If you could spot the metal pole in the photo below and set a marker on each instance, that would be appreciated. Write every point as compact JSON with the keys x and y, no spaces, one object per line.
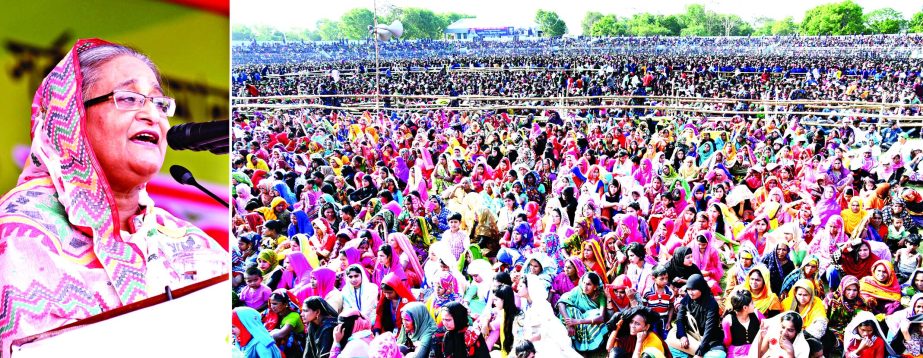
{"x":377,"y":66}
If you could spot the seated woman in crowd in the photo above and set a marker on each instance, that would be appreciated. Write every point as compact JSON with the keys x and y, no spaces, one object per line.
{"x":842,"y":306}
{"x":698,"y":331}
{"x":417,"y":330}
{"x":881,"y":291}
{"x":740,"y":324}
{"x":583,"y":310}
{"x":633,"y":335}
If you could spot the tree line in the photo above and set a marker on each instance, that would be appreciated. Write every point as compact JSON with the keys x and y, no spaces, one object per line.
{"x":843,"y":18}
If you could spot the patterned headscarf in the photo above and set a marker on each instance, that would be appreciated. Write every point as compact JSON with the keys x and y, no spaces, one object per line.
{"x":449,"y":283}
{"x":384,"y":346}
{"x":553,"y":250}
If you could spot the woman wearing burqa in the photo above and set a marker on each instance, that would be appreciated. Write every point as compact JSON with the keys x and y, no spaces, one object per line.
{"x":698,"y":323}
{"x":569,"y":203}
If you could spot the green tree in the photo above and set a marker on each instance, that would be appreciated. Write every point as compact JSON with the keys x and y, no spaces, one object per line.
{"x":589,"y":20}
{"x":329,"y":30}
{"x":608,"y":25}
{"x":645,"y":24}
{"x":241,"y":33}
{"x":451,"y":17}
{"x":786,"y":26}
{"x":550,"y":23}
{"x":732,"y":25}
{"x":916,"y":23}
{"x":844,"y":18}
{"x":421,"y":23}
{"x":354,"y":24}
{"x":673,"y":23}
{"x":885,"y":21}
{"x":762,"y":26}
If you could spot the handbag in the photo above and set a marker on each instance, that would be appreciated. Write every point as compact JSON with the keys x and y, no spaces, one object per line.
{"x":692,"y":334}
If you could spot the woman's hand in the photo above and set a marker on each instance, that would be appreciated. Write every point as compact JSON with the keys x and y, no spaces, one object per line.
{"x":684,"y":343}
{"x":338,"y":333}
{"x":640,"y":339}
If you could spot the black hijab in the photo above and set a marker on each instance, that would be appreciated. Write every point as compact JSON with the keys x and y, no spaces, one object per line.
{"x":676,"y":269}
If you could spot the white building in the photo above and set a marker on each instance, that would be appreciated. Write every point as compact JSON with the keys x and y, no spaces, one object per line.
{"x":473,"y":28}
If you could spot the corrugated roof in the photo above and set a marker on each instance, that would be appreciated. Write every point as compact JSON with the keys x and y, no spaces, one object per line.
{"x":479,"y":23}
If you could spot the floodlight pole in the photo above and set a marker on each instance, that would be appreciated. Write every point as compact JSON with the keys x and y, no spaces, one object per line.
{"x":377,"y":66}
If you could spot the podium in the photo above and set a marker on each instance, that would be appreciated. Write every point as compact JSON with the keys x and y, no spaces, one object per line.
{"x":191,"y":321}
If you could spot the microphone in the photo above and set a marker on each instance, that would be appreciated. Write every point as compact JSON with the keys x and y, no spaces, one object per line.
{"x":184,"y":176}
{"x":210,"y":136}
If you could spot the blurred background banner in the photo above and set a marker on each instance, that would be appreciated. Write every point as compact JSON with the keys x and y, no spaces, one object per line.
{"x":187,"y":39}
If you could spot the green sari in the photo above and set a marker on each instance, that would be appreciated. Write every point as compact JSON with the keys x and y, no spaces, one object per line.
{"x":587,"y":337}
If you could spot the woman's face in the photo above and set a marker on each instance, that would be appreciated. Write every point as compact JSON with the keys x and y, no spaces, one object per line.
{"x":687,"y":261}
{"x":447,"y":320}
{"x":295,"y":246}
{"x":129,"y":144}
{"x":865,"y":331}
{"x":570,"y":269}
{"x":880,"y":273}
{"x":788,"y":330}
{"x":555,"y":217}
{"x":589,"y":212}
{"x":688,"y":215}
{"x":521,"y":289}
{"x":864,"y":252}
{"x":383,"y":258}
{"x":276,"y":306}
{"x":802,"y":296}
{"x":851,"y":291}
{"x":263,"y":264}
{"x":761,"y":226}
{"x":534,"y":267}
{"x":638,"y":324}
{"x":918,"y":281}
{"x":918,"y":307}
{"x":587,"y":253}
{"x":517,"y":237}
{"x":756,"y":281}
{"x":355,"y":278}
{"x":588,"y":287}
{"x":810,"y":269}
{"x":308,"y":315}
{"x":407,"y":322}
{"x":632,"y":258}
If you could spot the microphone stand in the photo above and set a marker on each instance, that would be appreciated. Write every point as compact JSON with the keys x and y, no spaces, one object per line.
{"x":184,"y":176}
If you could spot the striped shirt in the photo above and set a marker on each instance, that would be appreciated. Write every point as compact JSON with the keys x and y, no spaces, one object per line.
{"x":659,"y":302}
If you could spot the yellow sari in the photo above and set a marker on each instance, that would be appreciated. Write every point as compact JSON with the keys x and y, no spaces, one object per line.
{"x":813,"y":311}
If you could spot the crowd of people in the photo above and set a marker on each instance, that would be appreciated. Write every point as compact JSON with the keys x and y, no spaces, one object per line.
{"x":601,"y":232}
{"x":287,"y":52}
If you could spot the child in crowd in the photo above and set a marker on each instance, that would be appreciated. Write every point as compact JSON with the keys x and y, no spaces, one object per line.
{"x":255,"y":294}
{"x":659,"y":298}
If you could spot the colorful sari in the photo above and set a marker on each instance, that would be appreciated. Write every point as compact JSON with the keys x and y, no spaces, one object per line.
{"x":587,"y":337}
{"x":879,"y":294}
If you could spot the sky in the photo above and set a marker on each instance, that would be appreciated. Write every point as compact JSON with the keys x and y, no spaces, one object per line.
{"x":292,"y":14}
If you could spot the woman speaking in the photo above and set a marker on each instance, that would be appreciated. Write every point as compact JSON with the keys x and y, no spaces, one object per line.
{"x":79,"y":234}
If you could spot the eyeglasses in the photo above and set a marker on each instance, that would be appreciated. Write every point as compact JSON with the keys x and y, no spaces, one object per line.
{"x":131,"y":101}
